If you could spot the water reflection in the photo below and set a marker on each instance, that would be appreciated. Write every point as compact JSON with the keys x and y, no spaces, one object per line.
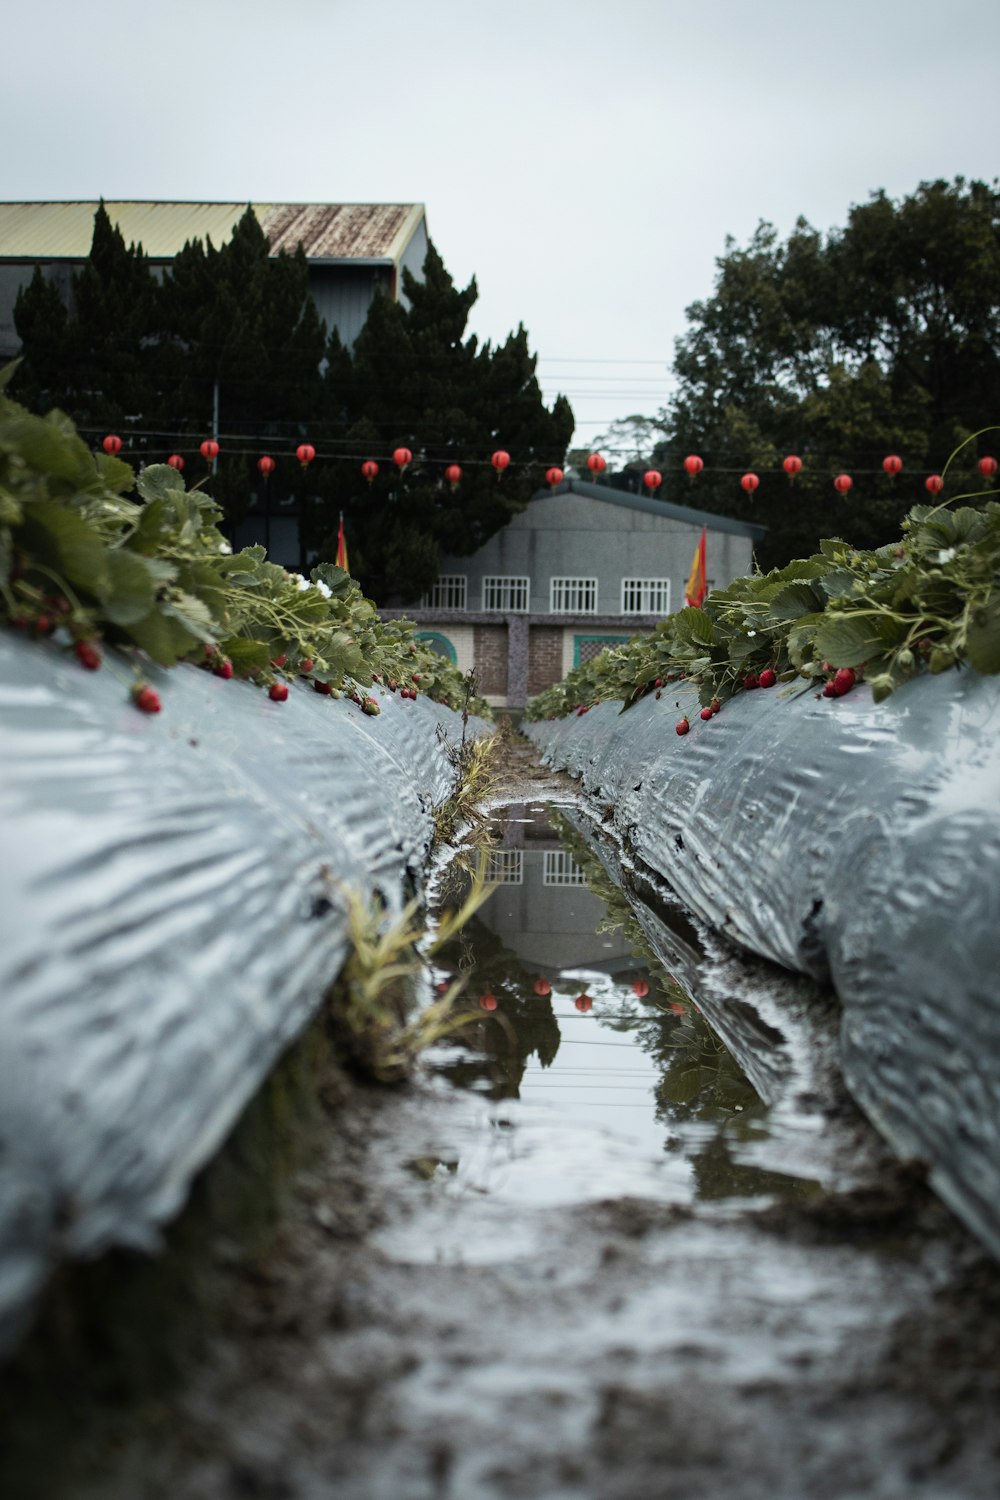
{"x":575,"y":1016}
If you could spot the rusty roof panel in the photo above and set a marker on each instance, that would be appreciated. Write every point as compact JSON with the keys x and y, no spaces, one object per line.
{"x":340,"y":231}
{"x":328,"y":231}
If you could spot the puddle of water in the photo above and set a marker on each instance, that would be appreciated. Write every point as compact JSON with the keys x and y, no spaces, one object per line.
{"x":588,"y":1072}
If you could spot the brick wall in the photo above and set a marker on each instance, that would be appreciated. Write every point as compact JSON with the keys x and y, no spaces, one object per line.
{"x":490,"y":651}
{"x":545,"y":663}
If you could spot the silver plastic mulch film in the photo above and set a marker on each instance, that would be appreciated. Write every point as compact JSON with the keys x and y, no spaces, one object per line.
{"x":855,"y":842}
{"x":171,"y":913}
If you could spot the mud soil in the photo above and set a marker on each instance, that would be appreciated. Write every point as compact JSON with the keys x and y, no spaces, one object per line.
{"x":411,"y":1334}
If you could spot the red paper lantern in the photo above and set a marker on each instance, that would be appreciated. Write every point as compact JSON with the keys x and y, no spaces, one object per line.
{"x":402,"y":458}
{"x":934,"y":483}
{"x":553,"y":477}
{"x":112,"y":444}
{"x":597,"y":463}
{"x":209,"y":450}
{"x":500,"y":460}
{"x":792,"y":465}
{"x":266,"y":465}
{"x":652,"y":479}
{"x":987,"y":467}
{"x":305,"y":453}
{"x":892,"y":464}
{"x":369,"y":469}
{"x":749,"y":483}
{"x":542,"y":987}
{"x":453,"y":474}
{"x":693,"y":465}
{"x":583,"y":1002}
{"x":176,"y":462}
{"x":843,"y":483}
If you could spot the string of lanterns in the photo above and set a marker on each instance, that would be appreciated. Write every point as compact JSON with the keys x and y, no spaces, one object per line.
{"x":693,"y":465}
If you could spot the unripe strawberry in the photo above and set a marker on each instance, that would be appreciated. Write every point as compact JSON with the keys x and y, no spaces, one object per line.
{"x":146,"y":698}
{"x":278,"y":692}
{"x":682,"y":726}
{"x":659,"y":694}
{"x":706,"y":713}
{"x":223,"y":668}
{"x":370,"y":706}
{"x":767,"y":678}
{"x":715,"y":705}
{"x":87,"y":655}
{"x":211,"y":649}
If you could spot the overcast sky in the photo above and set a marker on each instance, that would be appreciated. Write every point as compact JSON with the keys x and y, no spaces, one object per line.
{"x":585,"y":159}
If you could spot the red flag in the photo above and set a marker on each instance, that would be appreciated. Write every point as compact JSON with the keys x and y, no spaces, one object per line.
{"x":342,"y":546}
{"x":697,"y":586}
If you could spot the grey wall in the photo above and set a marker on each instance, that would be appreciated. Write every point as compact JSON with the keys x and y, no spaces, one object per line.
{"x":573,"y":535}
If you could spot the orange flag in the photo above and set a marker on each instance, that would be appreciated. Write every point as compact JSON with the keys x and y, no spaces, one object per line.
{"x":697,"y":587}
{"x":342,"y":546}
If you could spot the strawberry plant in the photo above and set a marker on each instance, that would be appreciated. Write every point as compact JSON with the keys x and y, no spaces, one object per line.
{"x":90,"y":552}
{"x":928,"y":603}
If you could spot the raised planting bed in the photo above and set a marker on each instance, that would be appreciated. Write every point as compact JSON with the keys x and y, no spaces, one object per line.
{"x":854,"y":841}
{"x":173,"y":911}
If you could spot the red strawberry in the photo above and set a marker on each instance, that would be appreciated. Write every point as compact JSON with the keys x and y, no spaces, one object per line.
{"x":210,"y":648}
{"x":751,"y":680}
{"x":144,"y":697}
{"x":279,"y":661}
{"x":306,"y":664}
{"x":843,"y":680}
{"x":658,"y":682}
{"x":829,"y":691}
{"x":321,"y":687}
{"x":415,"y":677}
{"x":767,"y":678}
{"x":87,"y":655}
{"x":223,"y":668}
{"x":278,"y":692}
{"x":43,"y":625}
{"x":715,"y":705}
{"x":706,"y":713}
{"x":682,"y":726}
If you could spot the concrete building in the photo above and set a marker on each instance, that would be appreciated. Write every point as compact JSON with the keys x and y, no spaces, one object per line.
{"x":582,"y":567}
{"x":353,"y":249}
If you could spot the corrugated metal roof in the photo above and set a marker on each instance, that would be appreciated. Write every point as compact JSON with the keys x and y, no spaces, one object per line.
{"x":328,"y":231}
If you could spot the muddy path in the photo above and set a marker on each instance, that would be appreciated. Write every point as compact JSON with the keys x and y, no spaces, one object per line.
{"x":608,"y":1274}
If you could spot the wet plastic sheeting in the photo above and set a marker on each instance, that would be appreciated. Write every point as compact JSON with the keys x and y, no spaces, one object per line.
{"x":172,"y":912}
{"x":850,"y":841}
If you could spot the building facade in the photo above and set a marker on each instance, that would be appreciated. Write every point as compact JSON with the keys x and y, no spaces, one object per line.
{"x":583,"y":567}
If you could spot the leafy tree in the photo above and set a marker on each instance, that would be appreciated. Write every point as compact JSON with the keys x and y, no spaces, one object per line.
{"x":882,"y":337}
{"x":414,"y":380}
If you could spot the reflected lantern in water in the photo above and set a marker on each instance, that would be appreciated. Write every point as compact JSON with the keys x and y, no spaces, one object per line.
{"x":583,"y":1002}
{"x":488,"y":1002}
{"x":542,"y":987}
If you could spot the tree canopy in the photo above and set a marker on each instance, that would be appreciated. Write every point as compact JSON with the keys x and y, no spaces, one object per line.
{"x":150,"y":356}
{"x":881,"y":337}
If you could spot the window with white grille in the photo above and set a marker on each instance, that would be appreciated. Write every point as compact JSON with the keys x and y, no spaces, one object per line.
{"x":573,"y":596}
{"x":506,"y":595}
{"x":505,"y":867}
{"x":645,"y":596}
{"x":560,"y":869}
{"x":448,"y":593}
